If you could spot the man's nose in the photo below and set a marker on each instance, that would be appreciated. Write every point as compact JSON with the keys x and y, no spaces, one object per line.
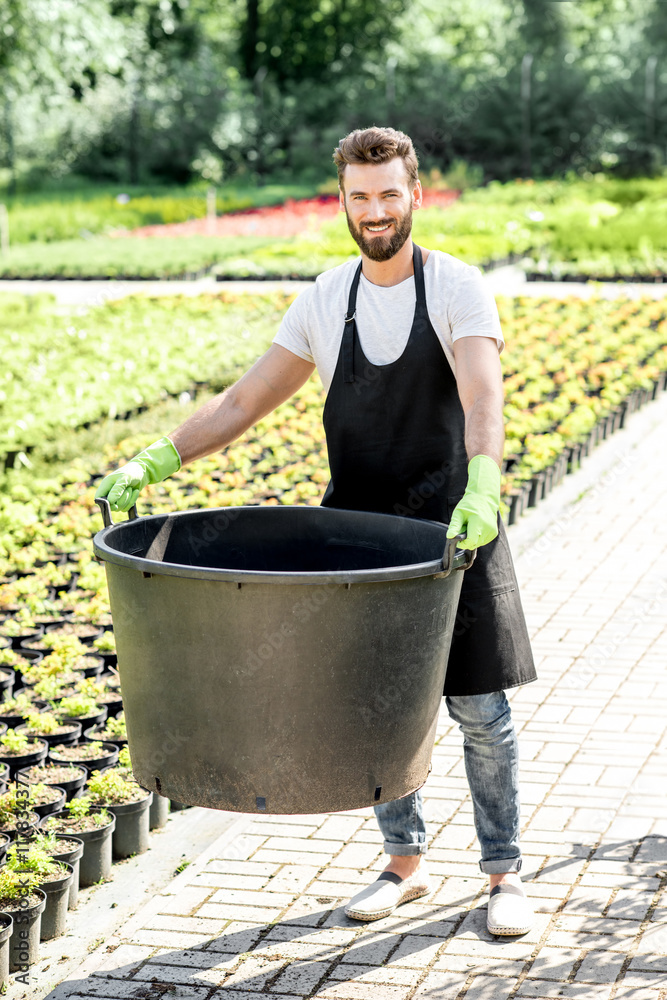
{"x":375,"y":208}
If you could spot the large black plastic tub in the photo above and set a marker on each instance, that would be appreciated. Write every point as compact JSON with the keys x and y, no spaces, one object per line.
{"x":281,"y":659}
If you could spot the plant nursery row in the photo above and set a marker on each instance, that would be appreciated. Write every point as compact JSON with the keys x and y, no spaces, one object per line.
{"x":601,"y":229}
{"x":568,"y":366}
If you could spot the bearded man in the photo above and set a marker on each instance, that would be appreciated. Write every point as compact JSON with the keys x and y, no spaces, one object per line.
{"x":406,"y":341}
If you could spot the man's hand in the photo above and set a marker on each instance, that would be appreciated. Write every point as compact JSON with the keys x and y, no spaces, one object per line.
{"x":122,"y":487}
{"x":476,"y":514}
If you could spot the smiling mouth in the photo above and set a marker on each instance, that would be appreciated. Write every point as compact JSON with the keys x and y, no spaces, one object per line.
{"x":378,"y":229}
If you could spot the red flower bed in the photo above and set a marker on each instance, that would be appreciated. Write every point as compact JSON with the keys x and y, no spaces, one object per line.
{"x":288,"y":219}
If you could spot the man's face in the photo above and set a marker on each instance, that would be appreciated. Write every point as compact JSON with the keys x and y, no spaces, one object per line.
{"x":378,"y":203}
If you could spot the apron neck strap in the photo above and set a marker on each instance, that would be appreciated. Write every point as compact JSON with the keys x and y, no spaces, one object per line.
{"x":350,"y":330}
{"x":419,"y":275}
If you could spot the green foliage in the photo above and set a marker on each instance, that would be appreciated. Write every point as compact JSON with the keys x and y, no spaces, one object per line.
{"x":105,"y":643}
{"x":115,"y":729}
{"x":15,"y":743}
{"x":42,"y":723}
{"x":48,"y":359}
{"x":14,"y":885}
{"x":34,"y":861}
{"x":76,"y":706}
{"x":48,"y":216}
{"x":112,"y":787}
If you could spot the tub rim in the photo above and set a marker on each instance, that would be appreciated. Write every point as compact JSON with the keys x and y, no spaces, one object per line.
{"x":452,"y":559}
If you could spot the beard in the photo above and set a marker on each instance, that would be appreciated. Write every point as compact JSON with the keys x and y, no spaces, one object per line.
{"x":382,"y":247}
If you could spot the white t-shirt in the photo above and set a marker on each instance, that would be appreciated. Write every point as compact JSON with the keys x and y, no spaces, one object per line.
{"x":458,"y":301}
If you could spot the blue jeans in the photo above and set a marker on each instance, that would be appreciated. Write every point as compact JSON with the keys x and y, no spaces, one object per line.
{"x":491,"y":758}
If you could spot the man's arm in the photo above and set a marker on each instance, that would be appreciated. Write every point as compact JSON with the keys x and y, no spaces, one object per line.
{"x":480,"y":383}
{"x":271,"y":380}
{"x":480,"y":386}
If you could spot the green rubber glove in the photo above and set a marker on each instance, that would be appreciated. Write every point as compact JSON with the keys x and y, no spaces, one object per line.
{"x":476,"y":513}
{"x":122,"y":487}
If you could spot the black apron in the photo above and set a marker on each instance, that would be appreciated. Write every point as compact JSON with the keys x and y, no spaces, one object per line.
{"x":395,"y":438}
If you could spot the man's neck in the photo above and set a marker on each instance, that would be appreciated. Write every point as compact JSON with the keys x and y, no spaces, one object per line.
{"x":392,"y":271}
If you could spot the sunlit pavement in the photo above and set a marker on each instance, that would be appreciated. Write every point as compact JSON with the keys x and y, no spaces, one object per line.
{"x":509,"y":280}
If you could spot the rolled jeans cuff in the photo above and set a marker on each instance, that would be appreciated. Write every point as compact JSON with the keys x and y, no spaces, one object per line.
{"x":501,"y":866}
{"x":404,"y":850}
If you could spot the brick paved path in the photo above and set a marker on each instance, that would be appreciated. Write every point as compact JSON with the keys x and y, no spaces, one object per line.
{"x":262,"y":912}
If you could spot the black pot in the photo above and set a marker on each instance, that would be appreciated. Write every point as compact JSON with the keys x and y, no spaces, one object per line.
{"x":71,"y":857}
{"x":7,"y":681}
{"x":51,"y":807}
{"x":94,"y":666}
{"x":59,"y":739}
{"x":87,"y":720}
{"x":96,"y":860}
{"x":35,"y":756}
{"x":29,"y":825}
{"x":114,"y":706}
{"x":87,"y":640}
{"x":6,"y":928}
{"x":93,"y":734}
{"x":33,"y":656}
{"x":71,"y":787}
{"x":131,"y":835}
{"x":110,"y":660}
{"x":158,"y":812}
{"x":5,"y":841}
{"x":107,"y":759}
{"x":30,"y":635}
{"x":24,"y":939}
{"x":54,"y":917}
{"x":13,"y":720}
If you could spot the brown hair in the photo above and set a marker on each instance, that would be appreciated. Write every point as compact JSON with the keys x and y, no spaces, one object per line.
{"x":376,"y":145}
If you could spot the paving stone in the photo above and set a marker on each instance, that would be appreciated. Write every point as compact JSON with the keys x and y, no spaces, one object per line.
{"x":358,"y":855}
{"x":254,"y":973}
{"x":415,"y":952}
{"x":353,"y":990}
{"x":588,"y":900}
{"x":338,"y":828}
{"x":630,"y":904}
{"x":553,"y":963}
{"x":370,"y":949}
{"x":292,"y":878}
{"x":124,"y":959}
{"x":169,"y":939}
{"x":209,"y":881}
{"x":245,"y":897}
{"x":599,"y":967}
{"x":228,"y":911}
{"x":276,"y":828}
{"x":562,"y":991}
{"x":242,"y":868}
{"x":214,"y":974}
{"x":237,"y":937}
{"x":381,"y":974}
{"x":484,"y":987}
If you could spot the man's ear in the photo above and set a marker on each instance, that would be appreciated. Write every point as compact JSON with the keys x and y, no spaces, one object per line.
{"x":341,"y":198}
{"x":417,"y":195}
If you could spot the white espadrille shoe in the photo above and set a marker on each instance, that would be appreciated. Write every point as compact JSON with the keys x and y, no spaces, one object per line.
{"x":510,"y":911}
{"x":381,"y":898}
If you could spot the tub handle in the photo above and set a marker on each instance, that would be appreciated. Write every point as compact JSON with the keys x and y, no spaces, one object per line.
{"x":105,"y":507}
{"x":454,"y":558}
